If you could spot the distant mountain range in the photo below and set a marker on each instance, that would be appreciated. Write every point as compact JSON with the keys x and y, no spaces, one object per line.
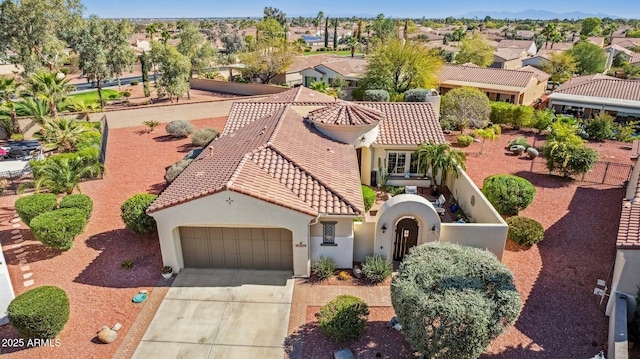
{"x":533,"y":14}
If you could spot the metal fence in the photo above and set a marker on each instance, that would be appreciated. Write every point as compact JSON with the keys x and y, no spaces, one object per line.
{"x":604,"y":172}
{"x":102,"y":156}
{"x":14,"y":179}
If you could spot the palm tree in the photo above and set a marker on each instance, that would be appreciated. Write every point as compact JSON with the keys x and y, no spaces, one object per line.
{"x":51,"y":87}
{"x":36,"y":108}
{"x":84,"y":107}
{"x":10,"y":90}
{"x":63,"y":133}
{"x":63,"y":174}
{"x":353,"y":43}
{"x":439,"y":159}
{"x":490,"y":133}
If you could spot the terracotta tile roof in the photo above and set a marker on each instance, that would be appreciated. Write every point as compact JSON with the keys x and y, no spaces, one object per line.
{"x":579,"y":80}
{"x":306,"y":62}
{"x":278,"y":159}
{"x":347,"y":67}
{"x":515,"y":44}
{"x":603,"y":87}
{"x":625,"y":41}
{"x":629,"y":228}
{"x":635,"y":58}
{"x":489,"y":76}
{"x":407,"y":123}
{"x":346,"y":113}
{"x":540,"y":75}
{"x":297,"y":94}
{"x":507,"y":53}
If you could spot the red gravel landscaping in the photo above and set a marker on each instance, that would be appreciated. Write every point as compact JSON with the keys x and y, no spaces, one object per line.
{"x":99,"y":290}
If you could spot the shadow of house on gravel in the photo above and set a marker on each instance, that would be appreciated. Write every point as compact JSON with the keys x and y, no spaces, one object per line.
{"x":545,"y":180}
{"x":561,"y":314}
{"x":185,"y":147}
{"x":8,"y":333}
{"x":115,"y":247}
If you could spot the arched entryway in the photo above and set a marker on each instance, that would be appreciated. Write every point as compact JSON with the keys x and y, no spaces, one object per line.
{"x":406,"y":237}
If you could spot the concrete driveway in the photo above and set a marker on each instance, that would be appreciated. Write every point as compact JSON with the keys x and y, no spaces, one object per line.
{"x":221,"y":313}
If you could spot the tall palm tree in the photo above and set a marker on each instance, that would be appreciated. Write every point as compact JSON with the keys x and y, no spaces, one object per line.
{"x":36,"y":108}
{"x":353,"y":43}
{"x":51,"y":87}
{"x":62,"y":133}
{"x":10,"y":89}
{"x":63,"y":174}
{"x":439,"y":159}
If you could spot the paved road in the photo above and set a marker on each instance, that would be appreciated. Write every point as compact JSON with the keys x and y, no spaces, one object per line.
{"x":85,"y":86}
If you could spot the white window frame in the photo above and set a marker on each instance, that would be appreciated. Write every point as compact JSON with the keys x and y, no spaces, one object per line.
{"x":406,"y":166}
{"x":329,"y":233}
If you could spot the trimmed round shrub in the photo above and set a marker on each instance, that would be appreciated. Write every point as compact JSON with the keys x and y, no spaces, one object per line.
{"x":524,"y":231}
{"x":416,"y":95}
{"x":134,"y":82}
{"x":343,"y":318}
{"x":58,"y":228}
{"x":203,"y":136}
{"x":369,"y":196}
{"x":180,"y":128}
{"x":175,"y":169}
{"x":464,"y":140}
{"x":376,"y":96}
{"x":134,"y":215}
{"x":508,"y":194}
{"x":324,"y":267}
{"x":376,"y":269}
{"x":80,"y":201}
{"x":453,"y":300}
{"x":39,"y":313}
{"x":31,"y":206}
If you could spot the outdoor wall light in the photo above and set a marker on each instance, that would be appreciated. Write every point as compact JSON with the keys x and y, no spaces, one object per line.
{"x":384,"y":228}
{"x":434,"y":229}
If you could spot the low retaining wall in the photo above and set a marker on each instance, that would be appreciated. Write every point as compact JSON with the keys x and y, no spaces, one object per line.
{"x":618,"y":340}
{"x":235,"y":88}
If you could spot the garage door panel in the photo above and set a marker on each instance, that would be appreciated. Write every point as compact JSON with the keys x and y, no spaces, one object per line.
{"x":216,"y":248}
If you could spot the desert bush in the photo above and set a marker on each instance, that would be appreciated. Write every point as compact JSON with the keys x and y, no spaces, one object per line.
{"x":542,"y":119}
{"x":508,"y":194}
{"x":416,"y":95}
{"x":58,"y":228}
{"x":179,"y":128}
{"x":175,"y":169}
{"x":376,"y":96}
{"x":79,"y":201}
{"x":134,"y":83}
{"x":358,"y":93}
{"x":376,"y":268}
{"x":515,"y":115}
{"x":344,"y":275}
{"x":17,"y":137}
{"x":599,"y":128}
{"x":623,"y":132}
{"x":31,"y":206}
{"x":524,"y":231}
{"x":568,"y":159}
{"x":453,"y":300}
{"x":64,"y":70}
{"x":324,"y":267}
{"x":344,"y":318}
{"x":464,"y":140}
{"x":134,"y":216}
{"x":203,"y":136}
{"x":39,"y":313}
{"x":520,"y":141}
{"x":369,"y":196}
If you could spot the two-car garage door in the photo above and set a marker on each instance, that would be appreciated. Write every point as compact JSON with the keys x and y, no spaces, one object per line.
{"x":223,"y":247}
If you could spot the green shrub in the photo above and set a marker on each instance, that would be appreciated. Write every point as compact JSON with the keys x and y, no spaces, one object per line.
{"x":343,"y":318}
{"x":17,"y":137}
{"x":376,"y":268}
{"x":393,"y":190}
{"x":515,"y":115}
{"x":453,"y":300}
{"x":416,"y":95}
{"x":39,"y":313}
{"x":58,"y":228}
{"x":324,"y":267}
{"x":599,"y":128}
{"x":464,"y":140}
{"x":520,"y":141}
{"x":524,"y":231}
{"x":203,"y":136}
{"x":358,"y":93}
{"x":64,"y":70}
{"x":31,"y":206}
{"x":568,"y":159}
{"x":175,"y":169}
{"x":623,"y":132}
{"x":396,"y":97}
{"x":134,"y":216}
{"x":376,"y":96}
{"x":126,"y":94}
{"x":89,"y":139}
{"x":508,"y":194}
{"x":369,"y":196}
{"x":542,"y":119}
{"x":179,"y":128}
{"x":80,"y":201}
{"x":134,"y":83}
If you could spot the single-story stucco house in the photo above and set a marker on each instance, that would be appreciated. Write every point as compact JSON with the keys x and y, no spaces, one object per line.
{"x":282,"y":186}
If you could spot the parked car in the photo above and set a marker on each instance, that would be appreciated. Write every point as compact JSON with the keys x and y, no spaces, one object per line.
{"x":22,"y":149}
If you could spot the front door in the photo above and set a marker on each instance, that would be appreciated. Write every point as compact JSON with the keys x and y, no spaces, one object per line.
{"x":406,"y":237}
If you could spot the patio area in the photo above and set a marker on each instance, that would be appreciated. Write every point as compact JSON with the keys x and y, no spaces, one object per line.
{"x":447,"y":216}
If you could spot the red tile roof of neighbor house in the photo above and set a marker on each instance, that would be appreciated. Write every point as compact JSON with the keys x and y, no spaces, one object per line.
{"x":490,"y":76}
{"x":346,"y":113}
{"x":515,"y":44}
{"x":540,"y":75}
{"x":346,"y":66}
{"x":629,"y":227}
{"x":635,"y":58}
{"x":601,"y":86}
{"x":306,"y":62}
{"x":279,"y":159}
{"x":297,"y":94}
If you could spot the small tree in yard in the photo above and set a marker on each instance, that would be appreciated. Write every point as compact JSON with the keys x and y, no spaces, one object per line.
{"x":134,"y":216}
{"x":490,"y":133}
{"x":569,"y":159}
{"x":599,"y":128}
{"x":467,"y":106}
{"x":343,"y":318}
{"x":508,"y":194}
{"x":452,"y":300}
{"x":440,"y":159}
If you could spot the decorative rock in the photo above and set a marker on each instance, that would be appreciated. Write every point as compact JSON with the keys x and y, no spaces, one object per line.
{"x":116,"y":327}
{"x":532,"y":152}
{"x":517,"y":149}
{"x":345,"y":353}
{"x":144,"y":291}
{"x":357,"y":272}
{"x":107,"y":335}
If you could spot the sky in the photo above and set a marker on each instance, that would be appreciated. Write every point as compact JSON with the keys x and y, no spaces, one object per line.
{"x":397,"y":8}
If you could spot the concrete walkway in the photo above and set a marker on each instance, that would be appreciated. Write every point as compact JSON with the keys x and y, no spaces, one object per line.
{"x":221,"y":313}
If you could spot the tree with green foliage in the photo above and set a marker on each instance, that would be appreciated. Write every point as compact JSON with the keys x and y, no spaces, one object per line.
{"x":144,"y":64}
{"x":458,"y":34}
{"x":453,"y":300}
{"x":353,"y":44}
{"x":397,"y":67}
{"x":490,"y":133}
{"x":195,"y":46}
{"x":51,"y":87}
{"x":542,"y":119}
{"x":134,"y":215}
{"x":63,"y":174}
{"x":275,"y":14}
{"x":63,"y":133}
{"x":383,"y":29}
{"x":476,"y":50}
{"x":369,"y":197}
{"x":335,"y":34}
{"x":590,"y":58}
{"x":568,"y":159}
{"x":269,"y":31}
{"x":466,"y":106}
{"x":326,"y":33}
{"x":33,"y":33}
{"x":10,"y":90}
{"x":176,"y":73}
{"x":591,"y":26}
{"x":561,"y":66}
{"x":267,"y":61}
{"x":35,"y":108}
{"x":599,"y":128}
{"x":508,"y":194}
{"x":438,"y":159}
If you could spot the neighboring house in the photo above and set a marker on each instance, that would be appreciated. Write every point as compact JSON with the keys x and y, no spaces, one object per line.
{"x":617,"y":50}
{"x":322,"y":68}
{"x":313,"y":40}
{"x":626,"y":42}
{"x":521,"y":87}
{"x":594,"y":94}
{"x":508,"y":59}
{"x":281,"y":187}
{"x":528,"y":46}
{"x":293,"y":76}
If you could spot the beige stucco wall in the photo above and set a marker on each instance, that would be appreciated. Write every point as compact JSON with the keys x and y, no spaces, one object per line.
{"x":235,"y":88}
{"x":463,"y":189}
{"x":342,"y":252}
{"x":478,"y":235}
{"x":626,"y":275}
{"x":243,"y":211}
{"x":366,"y":165}
{"x":363,"y":241}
